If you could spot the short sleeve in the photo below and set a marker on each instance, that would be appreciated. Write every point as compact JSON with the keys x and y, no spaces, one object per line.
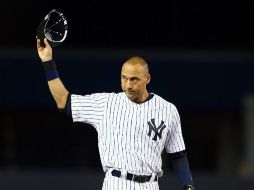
{"x":89,"y":108}
{"x":174,"y":142}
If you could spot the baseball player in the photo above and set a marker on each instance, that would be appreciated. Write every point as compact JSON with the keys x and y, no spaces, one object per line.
{"x":133,"y":126}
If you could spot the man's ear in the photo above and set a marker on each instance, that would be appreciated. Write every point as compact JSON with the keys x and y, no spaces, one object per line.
{"x":148,"y":79}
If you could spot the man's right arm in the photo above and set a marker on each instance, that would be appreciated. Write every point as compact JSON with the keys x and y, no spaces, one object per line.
{"x":57,"y":89}
{"x":58,"y":92}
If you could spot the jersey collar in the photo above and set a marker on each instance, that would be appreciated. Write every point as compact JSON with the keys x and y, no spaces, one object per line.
{"x":146,"y":100}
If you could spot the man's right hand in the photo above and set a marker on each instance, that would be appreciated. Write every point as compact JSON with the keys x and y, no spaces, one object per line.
{"x":45,"y":53}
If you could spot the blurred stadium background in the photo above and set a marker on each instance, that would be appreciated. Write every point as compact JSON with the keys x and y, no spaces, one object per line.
{"x":201,"y":59}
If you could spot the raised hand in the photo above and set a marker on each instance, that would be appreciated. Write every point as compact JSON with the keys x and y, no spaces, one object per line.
{"x":45,"y":52}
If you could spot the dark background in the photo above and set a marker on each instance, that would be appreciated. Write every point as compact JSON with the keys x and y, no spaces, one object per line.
{"x":200,"y":55}
{"x":174,"y":24}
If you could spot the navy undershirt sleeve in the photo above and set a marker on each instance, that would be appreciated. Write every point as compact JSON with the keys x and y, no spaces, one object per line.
{"x":181,"y":167}
{"x":67,"y":108}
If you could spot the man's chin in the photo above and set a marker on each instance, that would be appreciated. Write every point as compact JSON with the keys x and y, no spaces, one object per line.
{"x":132,"y":97}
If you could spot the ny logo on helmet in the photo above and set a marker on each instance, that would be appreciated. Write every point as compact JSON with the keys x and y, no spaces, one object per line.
{"x":157,"y":130}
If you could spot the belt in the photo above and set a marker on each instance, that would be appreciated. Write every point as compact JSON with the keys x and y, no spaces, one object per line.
{"x":133,"y":177}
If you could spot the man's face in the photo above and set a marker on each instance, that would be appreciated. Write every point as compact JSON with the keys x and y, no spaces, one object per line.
{"x":134,"y":79}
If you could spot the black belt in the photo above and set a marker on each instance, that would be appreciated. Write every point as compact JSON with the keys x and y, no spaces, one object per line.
{"x":133,"y":177}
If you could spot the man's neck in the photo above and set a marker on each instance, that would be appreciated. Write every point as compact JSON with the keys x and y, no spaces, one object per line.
{"x":146,"y":96}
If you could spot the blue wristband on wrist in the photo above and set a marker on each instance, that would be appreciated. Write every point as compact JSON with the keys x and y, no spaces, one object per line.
{"x":50,"y":70}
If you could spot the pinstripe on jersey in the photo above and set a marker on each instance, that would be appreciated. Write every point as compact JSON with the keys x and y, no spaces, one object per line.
{"x":123,"y":128}
{"x":131,"y":136}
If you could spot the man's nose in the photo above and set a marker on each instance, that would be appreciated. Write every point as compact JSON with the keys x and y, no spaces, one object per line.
{"x":129,"y":84}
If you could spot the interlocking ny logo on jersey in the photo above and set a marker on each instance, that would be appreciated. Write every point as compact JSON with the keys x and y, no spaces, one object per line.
{"x":157,"y":130}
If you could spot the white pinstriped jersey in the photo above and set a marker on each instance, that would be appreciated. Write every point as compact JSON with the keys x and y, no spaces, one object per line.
{"x":131,"y":136}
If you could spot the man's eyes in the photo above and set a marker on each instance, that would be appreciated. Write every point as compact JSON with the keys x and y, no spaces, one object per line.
{"x":131,"y":79}
{"x":134,"y":79}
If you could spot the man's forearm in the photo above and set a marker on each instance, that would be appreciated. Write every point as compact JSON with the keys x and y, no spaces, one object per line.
{"x":58,"y":92}
{"x":56,"y":86}
{"x":181,"y":167}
